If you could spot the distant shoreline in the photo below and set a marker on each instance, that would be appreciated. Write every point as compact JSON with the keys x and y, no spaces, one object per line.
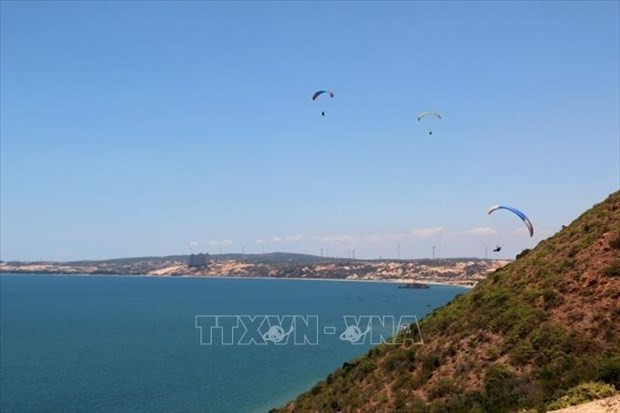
{"x":237,"y":277}
{"x":460,"y":272}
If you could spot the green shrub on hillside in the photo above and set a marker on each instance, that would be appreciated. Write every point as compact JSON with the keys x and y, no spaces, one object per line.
{"x":500,"y":389}
{"x":523,"y":253}
{"x":610,"y":372}
{"x":522,"y":353}
{"x":443,"y":388}
{"x":613,"y":270}
{"x":582,"y":393}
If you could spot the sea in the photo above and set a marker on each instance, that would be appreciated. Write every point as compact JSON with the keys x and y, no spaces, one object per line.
{"x":178,"y":344}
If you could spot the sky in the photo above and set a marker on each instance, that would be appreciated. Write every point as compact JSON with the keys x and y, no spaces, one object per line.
{"x":155,"y":128}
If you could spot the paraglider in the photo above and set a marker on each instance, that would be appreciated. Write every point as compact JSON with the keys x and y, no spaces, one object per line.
{"x":318,"y":93}
{"x":497,"y":249}
{"x":518,"y":213}
{"x":425,"y":114}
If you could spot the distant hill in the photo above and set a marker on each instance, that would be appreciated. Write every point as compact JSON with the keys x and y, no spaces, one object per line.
{"x":456,"y":271}
{"x":520,"y":339}
{"x":266,"y":258}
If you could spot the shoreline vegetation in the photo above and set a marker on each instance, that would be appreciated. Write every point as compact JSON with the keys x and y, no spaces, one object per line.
{"x":462,"y":272}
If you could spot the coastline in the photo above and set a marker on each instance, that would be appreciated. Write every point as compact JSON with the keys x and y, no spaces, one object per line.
{"x":239,"y":277}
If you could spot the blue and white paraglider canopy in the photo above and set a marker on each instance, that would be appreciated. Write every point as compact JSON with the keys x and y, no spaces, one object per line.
{"x":518,"y":213}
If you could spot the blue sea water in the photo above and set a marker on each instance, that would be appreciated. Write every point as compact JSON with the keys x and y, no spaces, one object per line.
{"x":129,"y":344}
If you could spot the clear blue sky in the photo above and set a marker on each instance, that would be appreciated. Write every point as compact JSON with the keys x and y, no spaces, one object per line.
{"x":139,"y":128}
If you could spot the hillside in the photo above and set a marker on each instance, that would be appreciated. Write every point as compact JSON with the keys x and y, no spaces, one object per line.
{"x":519,"y":340}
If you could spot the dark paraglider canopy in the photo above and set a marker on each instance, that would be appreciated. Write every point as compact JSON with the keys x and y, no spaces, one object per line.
{"x":320,"y":92}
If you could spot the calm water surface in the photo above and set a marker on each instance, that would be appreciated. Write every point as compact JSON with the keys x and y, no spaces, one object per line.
{"x":129,"y":344}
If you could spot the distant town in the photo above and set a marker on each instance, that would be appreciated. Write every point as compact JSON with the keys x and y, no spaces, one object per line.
{"x":454,"y":271}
